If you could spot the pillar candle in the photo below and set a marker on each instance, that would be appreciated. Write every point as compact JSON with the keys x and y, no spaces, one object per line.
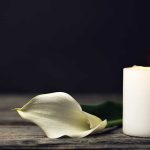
{"x":136,"y":101}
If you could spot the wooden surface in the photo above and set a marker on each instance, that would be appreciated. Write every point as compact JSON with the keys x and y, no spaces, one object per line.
{"x":16,"y":133}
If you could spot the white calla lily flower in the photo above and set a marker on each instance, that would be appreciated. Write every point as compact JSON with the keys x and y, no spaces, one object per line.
{"x":59,"y":114}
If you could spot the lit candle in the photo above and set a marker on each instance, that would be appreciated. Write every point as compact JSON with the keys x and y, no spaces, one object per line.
{"x":136,"y":101}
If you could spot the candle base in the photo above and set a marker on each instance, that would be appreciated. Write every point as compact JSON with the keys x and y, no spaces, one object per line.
{"x":130,"y":133}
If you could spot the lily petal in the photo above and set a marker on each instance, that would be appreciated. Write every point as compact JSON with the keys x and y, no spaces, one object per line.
{"x":58,"y":114}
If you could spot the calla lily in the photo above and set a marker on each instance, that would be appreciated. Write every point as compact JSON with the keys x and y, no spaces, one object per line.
{"x":59,"y":114}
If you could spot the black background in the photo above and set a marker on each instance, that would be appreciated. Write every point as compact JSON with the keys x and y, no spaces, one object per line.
{"x":72,"y":46}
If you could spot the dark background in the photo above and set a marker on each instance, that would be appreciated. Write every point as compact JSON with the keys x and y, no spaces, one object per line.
{"x":73,"y":46}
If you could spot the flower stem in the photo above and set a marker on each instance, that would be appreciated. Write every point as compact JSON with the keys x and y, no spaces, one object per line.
{"x":113,"y":123}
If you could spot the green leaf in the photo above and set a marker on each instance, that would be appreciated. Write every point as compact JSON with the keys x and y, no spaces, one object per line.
{"x":109,"y":110}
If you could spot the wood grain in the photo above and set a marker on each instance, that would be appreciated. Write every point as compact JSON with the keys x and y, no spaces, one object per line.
{"x":16,"y":133}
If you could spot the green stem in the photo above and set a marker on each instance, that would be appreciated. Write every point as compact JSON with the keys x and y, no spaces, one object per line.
{"x":113,"y":123}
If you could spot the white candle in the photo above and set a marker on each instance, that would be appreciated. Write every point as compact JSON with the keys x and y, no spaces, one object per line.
{"x":136,"y":101}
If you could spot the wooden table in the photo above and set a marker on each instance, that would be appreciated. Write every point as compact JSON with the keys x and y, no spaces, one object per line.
{"x":16,"y":133}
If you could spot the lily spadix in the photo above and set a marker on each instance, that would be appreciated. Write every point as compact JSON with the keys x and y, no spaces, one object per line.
{"x":59,"y":114}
